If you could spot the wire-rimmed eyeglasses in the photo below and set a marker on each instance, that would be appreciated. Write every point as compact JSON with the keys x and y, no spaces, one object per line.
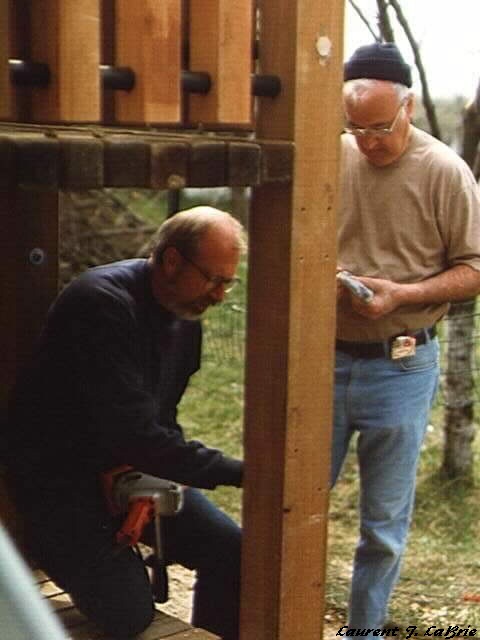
{"x":213,"y":282}
{"x":375,"y":131}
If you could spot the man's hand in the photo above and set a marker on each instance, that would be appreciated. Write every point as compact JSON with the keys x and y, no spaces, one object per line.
{"x":385,"y":300}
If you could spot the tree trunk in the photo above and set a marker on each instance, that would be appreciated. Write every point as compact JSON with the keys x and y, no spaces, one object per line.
{"x":459,"y":382}
{"x":459,"y":391}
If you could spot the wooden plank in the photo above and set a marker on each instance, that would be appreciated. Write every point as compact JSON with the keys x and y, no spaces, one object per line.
{"x":277,"y":161}
{"x":81,"y":162}
{"x":65,"y":32}
{"x":243,"y":164}
{"x":20,"y":49}
{"x":5,"y":86}
{"x":148,"y":39}
{"x":169,"y":164}
{"x":37,"y":161}
{"x":37,"y":264}
{"x":221,"y":44}
{"x":208,"y":163}
{"x":291,"y":327}
{"x":79,"y":628}
{"x":126,"y":162}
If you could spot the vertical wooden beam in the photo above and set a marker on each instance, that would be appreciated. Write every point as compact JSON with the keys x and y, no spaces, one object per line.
{"x":221,"y":44}
{"x":29,"y":248}
{"x":291,"y":327}
{"x":66,"y":36}
{"x":149,"y":40}
{"x":29,"y":221}
{"x":14,"y":43}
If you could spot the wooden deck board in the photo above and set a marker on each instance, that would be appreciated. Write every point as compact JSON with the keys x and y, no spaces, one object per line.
{"x":79,"y":628}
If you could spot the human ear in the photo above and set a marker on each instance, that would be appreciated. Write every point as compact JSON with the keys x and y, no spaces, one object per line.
{"x":171,"y":260}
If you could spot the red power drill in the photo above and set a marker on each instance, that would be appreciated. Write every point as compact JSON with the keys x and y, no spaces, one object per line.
{"x":143,"y":498}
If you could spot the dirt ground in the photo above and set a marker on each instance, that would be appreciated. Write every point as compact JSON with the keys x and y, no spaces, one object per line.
{"x":180,"y":602}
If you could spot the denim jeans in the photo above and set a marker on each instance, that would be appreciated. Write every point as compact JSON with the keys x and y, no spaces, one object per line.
{"x":387,"y":402}
{"x":74,"y":544}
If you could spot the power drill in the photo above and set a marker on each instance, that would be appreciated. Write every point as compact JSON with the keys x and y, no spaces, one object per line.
{"x":143,"y":498}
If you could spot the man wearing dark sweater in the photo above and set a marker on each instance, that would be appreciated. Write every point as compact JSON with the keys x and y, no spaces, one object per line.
{"x":114,"y":359}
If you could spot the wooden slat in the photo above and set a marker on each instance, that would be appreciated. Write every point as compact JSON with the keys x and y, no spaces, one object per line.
{"x":148,"y":39}
{"x":20,"y":49}
{"x":291,"y":327}
{"x":221,"y":44}
{"x":126,"y":162}
{"x":66,"y":36}
{"x":243,"y":164}
{"x":207,"y":163}
{"x":5,"y":86}
{"x":169,"y":165}
{"x":163,"y":626}
{"x":81,"y":163}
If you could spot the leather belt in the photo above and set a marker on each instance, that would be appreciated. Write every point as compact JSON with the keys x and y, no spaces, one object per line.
{"x":381,"y":349}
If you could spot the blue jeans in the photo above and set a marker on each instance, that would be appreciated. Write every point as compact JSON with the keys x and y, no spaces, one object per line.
{"x":74,"y":543}
{"x":388,"y":403}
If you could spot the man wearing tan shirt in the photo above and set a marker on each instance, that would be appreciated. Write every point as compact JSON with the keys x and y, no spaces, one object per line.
{"x":409,"y":228}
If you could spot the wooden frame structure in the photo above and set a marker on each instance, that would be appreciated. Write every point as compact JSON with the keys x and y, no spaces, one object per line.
{"x":199,"y":93}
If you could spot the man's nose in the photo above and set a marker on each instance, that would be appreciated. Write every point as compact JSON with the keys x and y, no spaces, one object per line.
{"x":370,"y":142}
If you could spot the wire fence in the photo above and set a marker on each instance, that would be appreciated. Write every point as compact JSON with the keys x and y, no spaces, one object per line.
{"x":459,"y":335}
{"x":109,"y":225}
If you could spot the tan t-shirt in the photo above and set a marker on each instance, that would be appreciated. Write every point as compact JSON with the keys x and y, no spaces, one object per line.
{"x":405,"y":222}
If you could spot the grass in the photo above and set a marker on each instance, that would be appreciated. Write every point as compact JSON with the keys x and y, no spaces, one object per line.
{"x":442,"y":562}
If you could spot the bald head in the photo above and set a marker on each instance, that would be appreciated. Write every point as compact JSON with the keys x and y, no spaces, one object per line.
{"x":195,"y":260}
{"x":186,"y":230}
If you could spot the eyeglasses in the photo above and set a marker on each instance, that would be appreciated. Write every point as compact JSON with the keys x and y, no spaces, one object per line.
{"x":375,"y":131}
{"x":213,"y":282}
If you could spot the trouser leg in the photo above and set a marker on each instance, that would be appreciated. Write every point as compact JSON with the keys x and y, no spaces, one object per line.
{"x":76,"y":548}
{"x":202,"y":538}
{"x":394,"y":400}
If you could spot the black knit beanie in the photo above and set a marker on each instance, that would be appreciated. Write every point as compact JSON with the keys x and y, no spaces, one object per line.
{"x":380,"y":61}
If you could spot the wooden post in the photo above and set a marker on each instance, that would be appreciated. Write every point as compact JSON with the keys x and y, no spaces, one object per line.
{"x":66,"y":36}
{"x":29,"y":246}
{"x":291,"y":327}
{"x":148,"y":39}
{"x":221,"y":45}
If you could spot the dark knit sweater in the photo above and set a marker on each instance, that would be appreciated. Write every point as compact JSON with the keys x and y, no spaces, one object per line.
{"x":103,"y":390}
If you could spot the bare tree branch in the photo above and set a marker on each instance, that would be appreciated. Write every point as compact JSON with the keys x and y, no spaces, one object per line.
{"x":426,"y":98}
{"x":383,"y":21}
{"x":362,"y":17}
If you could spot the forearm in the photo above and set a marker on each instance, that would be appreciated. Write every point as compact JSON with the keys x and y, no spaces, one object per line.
{"x":457,"y":283}
{"x":453,"y":285}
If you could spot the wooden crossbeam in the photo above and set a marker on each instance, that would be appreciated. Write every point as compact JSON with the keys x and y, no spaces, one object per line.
{"x":79,"y":159}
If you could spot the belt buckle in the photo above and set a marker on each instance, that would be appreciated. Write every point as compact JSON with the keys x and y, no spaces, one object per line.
{"x":403,"y":347}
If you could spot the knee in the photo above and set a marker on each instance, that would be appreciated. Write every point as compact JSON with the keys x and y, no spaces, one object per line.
{"x":122,"y":616}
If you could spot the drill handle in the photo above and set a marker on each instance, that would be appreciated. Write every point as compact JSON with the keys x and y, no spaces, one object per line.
{"x":139,"y":515}
{"x":159,"y":579}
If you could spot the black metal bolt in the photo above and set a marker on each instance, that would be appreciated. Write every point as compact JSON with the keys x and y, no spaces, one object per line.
{"x":37,"y":257}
